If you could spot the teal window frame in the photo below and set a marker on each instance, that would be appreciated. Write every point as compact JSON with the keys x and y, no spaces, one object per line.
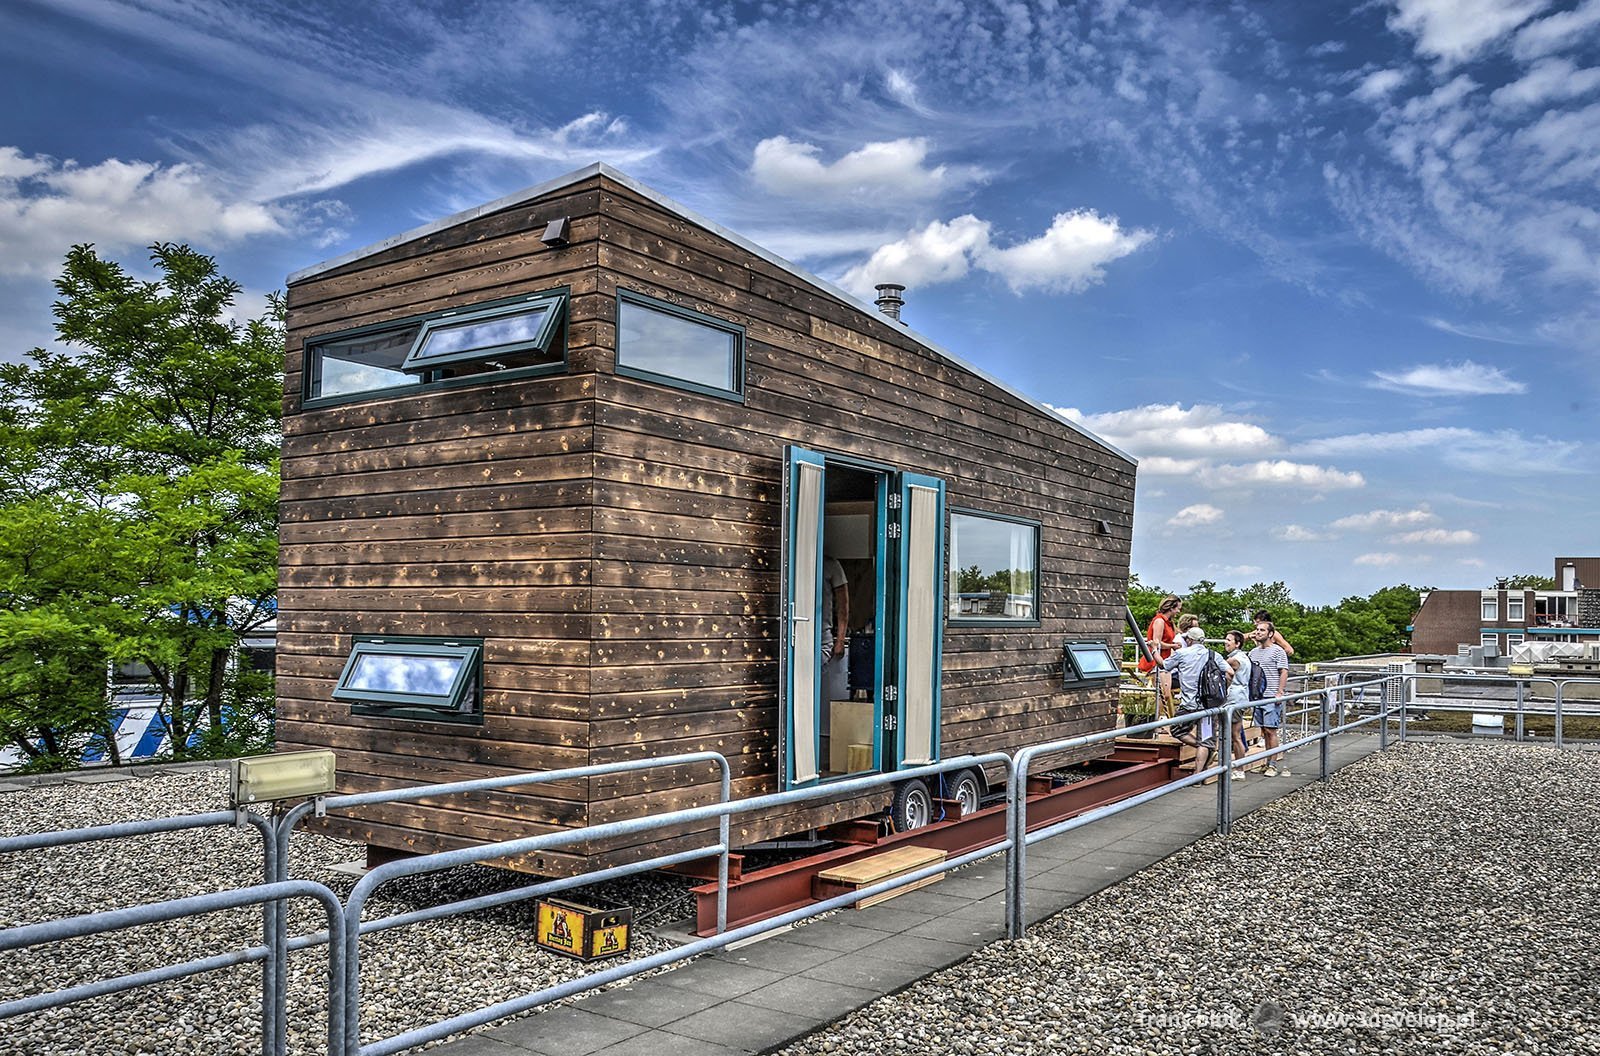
{"x":461,"y":704}
{"x":553,"y":303}
{"x":310,"y":366}
{"x":1072,"y":670}
{"x":1003,"y":622}
{"x":735,"y":330}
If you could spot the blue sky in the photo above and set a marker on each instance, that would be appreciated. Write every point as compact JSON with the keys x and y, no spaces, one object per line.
{"x":1330,"y":271}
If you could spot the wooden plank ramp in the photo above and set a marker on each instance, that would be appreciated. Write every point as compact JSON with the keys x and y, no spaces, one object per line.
{"x":865,"y":872}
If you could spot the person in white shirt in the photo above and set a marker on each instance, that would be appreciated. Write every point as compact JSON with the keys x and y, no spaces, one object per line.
{"x":1238,"y":691}
{"x":1188,"y":662}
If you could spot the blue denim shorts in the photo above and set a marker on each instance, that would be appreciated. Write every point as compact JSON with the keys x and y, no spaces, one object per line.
{"x":1268,"y":716}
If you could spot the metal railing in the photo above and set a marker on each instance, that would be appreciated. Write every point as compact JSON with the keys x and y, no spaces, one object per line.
{"x":1328,"y":701}
{"x":722,"y":811}
{"x":269,"y":954}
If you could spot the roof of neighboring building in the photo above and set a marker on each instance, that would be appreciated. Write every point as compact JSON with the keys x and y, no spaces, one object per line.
{"x":601,"y":169}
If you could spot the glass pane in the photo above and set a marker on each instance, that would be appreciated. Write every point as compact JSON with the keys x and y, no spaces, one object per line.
{"x":469,"y":335}
{"x":805,"y":635}
{"x":430,"y":676}
{"x":668,"y":344}
{"x":359,"y":364}
{"x":1093,"y":660}
{"x":921,"y":623}
{"x":992,"y":569}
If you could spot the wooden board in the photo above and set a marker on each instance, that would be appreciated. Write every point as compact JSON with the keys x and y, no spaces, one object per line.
{"x":866,"y":872}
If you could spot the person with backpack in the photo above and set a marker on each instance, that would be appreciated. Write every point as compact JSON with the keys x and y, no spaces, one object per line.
{"x":1239,"y":690}
{"x":1202,"y":684}
{"x":1273,"y":683}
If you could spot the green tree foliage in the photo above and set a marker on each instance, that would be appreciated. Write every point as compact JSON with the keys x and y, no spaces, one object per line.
{"x":138,"y":503}
{"x":1357,"y":626}
{"x":1527,"y":581}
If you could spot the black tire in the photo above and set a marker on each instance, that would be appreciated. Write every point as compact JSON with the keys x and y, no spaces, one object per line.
{"x":966,"y":787}
{"x":913,"y":805}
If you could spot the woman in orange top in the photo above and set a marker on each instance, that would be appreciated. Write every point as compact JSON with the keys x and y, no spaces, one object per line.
{"x":1160,"y":636}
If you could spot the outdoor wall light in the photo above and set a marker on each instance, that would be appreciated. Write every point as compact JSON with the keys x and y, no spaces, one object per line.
{"x":286,"y":775}
{"x":555,"y":232}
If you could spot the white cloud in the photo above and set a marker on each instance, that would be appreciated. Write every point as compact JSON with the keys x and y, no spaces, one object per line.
{"x":1377,"y":560}
{"x":1455,"y":30}
{"x":1436,"y":537}
{"x":1386,"y":519}
{"x":1280,"y":472}
{"x":1199,"y":513}
{"x":1502,"y":452}
{"x":1295,"y":533}
{"x":1240,"y":570}
{"x":1448,"y":379}
{"x":1069,"y":257}
{"x":47,"y":205}
{"x":1377,"y":86}
{"x":940,"y":252}
{"x":1565,"y":29}
{"x":1472,"y":562}
{"x":784,"y":166}
{"x":1548,"y":81}
{"x":1175,"y":430}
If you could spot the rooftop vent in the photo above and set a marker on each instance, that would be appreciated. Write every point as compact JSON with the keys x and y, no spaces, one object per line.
{"x":889,"y":300}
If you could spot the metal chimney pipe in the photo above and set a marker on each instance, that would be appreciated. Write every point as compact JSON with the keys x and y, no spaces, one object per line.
{"x":889,"y":300}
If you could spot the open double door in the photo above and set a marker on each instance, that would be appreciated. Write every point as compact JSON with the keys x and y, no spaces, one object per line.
{"x":876,"y":534}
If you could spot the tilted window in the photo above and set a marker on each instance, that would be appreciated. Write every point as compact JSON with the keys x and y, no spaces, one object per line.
{"x":436,"y":679}
{"x":523,"y":334}
{"x":662,"y":342}
{"x":994,"y":569}
{"x":1089,"y":662}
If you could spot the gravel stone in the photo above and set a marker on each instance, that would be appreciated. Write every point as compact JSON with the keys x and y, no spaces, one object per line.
{"x":412,"y":976}
{"x":1438,"y":897}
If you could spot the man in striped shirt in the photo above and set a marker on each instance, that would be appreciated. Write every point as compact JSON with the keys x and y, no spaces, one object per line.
{"x":1269,"y":716}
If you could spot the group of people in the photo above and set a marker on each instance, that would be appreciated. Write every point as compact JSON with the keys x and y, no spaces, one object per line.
{"x":1177,"y":644}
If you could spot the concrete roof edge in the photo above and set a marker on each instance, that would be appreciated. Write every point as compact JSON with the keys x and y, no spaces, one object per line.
{"x":649,"y":193}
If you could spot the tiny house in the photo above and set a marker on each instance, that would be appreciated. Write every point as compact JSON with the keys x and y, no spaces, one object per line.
{"x":578,"y":476}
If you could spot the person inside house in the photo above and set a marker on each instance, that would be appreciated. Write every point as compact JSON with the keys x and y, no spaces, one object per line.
{"x":835,"y":631}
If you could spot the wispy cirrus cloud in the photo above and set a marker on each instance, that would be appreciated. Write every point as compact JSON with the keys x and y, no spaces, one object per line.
{"x":1378,"y":559}
{"x":1436,"y":537}
{"x":1503,"y":452}
{"x":1448,"y":379}
{"x":1385,"y":519}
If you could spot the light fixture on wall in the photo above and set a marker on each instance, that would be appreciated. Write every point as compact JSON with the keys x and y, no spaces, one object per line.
{"x":555,"y":232}
{"x":284,"y":775}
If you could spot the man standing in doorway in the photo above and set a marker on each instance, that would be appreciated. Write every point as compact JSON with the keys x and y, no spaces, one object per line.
{"x":835,"y":631}
{"x":1269,"y":713}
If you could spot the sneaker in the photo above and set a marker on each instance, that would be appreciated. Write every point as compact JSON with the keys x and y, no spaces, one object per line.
{"x":1283,"y":772}
{"x":1237,"y":776}
{"x":1271,"y":771}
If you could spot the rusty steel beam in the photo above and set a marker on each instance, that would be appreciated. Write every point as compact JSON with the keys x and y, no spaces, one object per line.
{"x":779,"y":888}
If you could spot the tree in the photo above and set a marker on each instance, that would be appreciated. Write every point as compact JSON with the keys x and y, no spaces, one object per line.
{"x":150,"y":446}
{"x":1527,"y":581}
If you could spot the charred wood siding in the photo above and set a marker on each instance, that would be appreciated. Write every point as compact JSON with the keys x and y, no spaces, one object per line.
{"x":460,"y":511}
{"x":687,"y":497}
{"x":615,"y":541}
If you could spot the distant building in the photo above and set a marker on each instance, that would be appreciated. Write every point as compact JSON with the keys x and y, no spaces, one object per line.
{"x":1499,"y":620}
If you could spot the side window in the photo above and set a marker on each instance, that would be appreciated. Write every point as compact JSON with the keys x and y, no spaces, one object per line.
{"x":1089,"y":662}
{"x":994,"y":569}
{"x":523,"y":334}
{"x":434,"y":679}
{"x":657,"y":341}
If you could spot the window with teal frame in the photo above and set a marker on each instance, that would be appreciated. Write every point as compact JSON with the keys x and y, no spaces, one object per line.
{"x":434,"y":679}
{"x":662,"y":342}
{"x":1089,"y":662}
{"x":522,"y":335}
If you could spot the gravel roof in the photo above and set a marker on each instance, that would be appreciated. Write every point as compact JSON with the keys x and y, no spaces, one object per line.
{"x":1438,"y":897}
{"x":411,"y":976}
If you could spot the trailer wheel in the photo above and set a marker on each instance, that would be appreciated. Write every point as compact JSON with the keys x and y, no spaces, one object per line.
{"x":966,"y":788}
{"x":913,"y":805}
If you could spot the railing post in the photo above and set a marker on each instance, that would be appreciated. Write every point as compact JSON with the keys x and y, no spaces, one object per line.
{"x":1520,"y":686}
{"x":1322,"y":742}
{"x":1560,"y":740}
{"x":1225,"y":782}
{"x":1017,"y":853}
{"x":1408,"y":686}
{"x":274,"y":1017}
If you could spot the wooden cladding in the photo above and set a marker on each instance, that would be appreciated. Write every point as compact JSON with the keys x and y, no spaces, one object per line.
{"x":613,"y":540}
